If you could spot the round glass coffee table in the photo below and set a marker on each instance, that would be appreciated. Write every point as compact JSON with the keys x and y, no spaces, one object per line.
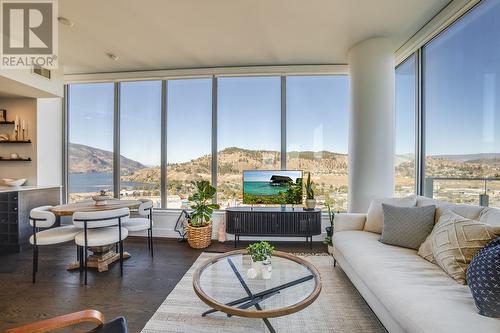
{"x":222,"y":283}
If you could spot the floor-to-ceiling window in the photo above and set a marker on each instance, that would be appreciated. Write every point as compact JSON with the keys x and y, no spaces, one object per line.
{"x":405,"y":128}
{"x":462,"y":109}
{"x":248,"y":131}
{"x":189,"y":137}
{"x":90,"y":139}
{"x":140,"y":140}
{"x":317,"y":123}
{"x":248,"y":135}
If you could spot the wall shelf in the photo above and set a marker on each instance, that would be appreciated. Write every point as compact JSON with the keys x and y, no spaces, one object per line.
{"x":7,"y":122}
{"x":16,"y":141}
{"x":15,"y":159}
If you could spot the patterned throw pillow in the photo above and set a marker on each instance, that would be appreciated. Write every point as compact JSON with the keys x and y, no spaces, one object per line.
{"x":455,"y":240}
{"x":483,"y":278}
{"x":407,"y":226}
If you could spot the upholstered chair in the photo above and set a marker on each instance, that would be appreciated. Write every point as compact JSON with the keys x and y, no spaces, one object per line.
{"x":42,"y":218}
{"x":145,"y":222}
{"x":100,"y":228}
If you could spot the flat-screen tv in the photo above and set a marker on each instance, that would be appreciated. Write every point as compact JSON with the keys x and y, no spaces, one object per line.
{"x":264,"y":187}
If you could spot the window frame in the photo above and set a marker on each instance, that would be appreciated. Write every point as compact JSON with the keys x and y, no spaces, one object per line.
{"x":164,"y":113}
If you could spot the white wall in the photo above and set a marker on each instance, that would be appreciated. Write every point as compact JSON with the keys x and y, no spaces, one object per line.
{"x":371,"y":123}
{"x":49,"y":150}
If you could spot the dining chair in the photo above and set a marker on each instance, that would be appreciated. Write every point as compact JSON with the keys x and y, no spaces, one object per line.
{"x":142,"y":223}
{"x":100,"y":228}
{"x":41,"y":217}
{"x":117,"y":325}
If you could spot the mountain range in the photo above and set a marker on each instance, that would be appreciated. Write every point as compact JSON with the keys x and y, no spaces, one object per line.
{"x":233,"y":160}
{"x":84,"y":159}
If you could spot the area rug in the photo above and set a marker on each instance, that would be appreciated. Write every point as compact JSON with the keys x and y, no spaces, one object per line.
{"x":339,"y":308}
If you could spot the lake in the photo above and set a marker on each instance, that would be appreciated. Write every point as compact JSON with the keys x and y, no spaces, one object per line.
{"x":96,"y":181}
{"x":263,"y":188}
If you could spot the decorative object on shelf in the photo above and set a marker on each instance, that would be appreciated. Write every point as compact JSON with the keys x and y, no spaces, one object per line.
{"x":329,"y":230}
{"x":14,"y":182}
{"x":261,"y":260}
{"x":3,"y":115}
{"x":4,"y":137}
{"x":16,"y":128}
{"x":102,"y":198}
{"x":199,"y":229}
{"x":24,"y":128}
{"x":14,"y":156}
{"x":310,"y":201}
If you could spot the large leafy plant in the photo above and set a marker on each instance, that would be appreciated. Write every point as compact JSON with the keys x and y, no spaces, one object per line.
{"x":260,"y":251}
{"x":201,"y":204}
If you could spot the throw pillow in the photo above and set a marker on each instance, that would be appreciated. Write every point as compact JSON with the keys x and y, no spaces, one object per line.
{"x":407,"y":226}
{"x":456,"y":239}
{"x":483,"y":276}
{"x":375,"y":215}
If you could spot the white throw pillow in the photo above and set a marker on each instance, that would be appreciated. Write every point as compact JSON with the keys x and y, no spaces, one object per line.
{"x":375,"y":215}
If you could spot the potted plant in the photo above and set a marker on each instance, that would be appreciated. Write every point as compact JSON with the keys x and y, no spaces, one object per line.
{"x":261,"y":259}
{"x":310,"y":201}
{"x":329,"y":230}
{"x":199,"y":229}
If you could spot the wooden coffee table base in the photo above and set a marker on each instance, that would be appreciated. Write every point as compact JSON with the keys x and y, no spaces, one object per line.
{"x":101,"y":258}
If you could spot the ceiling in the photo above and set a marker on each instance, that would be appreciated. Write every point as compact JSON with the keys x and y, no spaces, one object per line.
{"x":175,"y":34}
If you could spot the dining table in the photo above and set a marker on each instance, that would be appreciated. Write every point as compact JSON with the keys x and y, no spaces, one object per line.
{"x":101,"y":256}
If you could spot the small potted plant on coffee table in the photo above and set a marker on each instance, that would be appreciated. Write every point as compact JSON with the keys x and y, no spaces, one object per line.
{"x":199,"y":229}
{"x":261,"y":260}
{"x":310,"y":201}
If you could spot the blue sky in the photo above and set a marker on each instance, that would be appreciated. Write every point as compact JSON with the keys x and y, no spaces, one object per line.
{"x":462,"y":86}
{"x":249,"y":114}
{"x":264,"y":175}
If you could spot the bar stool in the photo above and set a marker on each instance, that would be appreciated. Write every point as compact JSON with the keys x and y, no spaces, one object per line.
{"x":142,"y":223}
{"x":41,"y":217}
{"x":100,"y":228}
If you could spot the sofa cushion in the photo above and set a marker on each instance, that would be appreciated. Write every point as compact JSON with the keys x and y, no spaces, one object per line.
{"x":490,"y":216}
{"x":418,"y":295}
{"x":469,"y":211}
{"x":483,"y":276}
{"x":375,"y":214}
{"x":407,"y":226}
{"x":455,"y":240}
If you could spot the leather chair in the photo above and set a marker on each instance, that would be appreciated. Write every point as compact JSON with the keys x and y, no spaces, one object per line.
{"x":100,"y":228}
{"x":41,"y":217}
{"x":142,"y":223}
{"x":117,"y":325}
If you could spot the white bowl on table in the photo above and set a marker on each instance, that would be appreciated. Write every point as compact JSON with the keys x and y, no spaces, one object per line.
{"x":14,"y":182}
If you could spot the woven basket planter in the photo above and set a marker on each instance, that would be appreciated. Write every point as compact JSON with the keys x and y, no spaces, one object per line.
{"x":199,"y":238}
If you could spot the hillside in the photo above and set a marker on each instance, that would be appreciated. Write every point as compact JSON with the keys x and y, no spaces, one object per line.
{"x":232,"y":161}
{"x":84,"y":159}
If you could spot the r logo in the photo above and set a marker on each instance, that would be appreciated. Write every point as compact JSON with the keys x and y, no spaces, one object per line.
{"x":27,"y":28}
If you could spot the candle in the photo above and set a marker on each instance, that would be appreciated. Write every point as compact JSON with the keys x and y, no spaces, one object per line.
{"x":16,"y":123}
{"x":23,"y":122}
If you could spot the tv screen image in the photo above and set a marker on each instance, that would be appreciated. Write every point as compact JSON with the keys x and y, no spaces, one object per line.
{"x":279,"y":187}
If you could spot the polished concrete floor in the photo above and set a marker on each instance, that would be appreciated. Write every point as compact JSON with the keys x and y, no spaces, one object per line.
{"x":136,"y":296}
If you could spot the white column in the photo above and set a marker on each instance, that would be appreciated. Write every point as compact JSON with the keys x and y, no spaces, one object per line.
{"x":371,"y":123}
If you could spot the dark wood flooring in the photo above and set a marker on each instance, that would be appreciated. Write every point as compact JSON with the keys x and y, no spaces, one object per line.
{"x":144,"y":286}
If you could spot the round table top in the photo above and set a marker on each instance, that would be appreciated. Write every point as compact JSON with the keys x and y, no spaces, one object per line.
{"x":90,"y":206}
{"x":294,"y":285}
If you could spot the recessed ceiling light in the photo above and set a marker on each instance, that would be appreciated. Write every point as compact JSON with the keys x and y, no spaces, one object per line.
{"x":65,"y":21}
{"x":112,"y":56}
